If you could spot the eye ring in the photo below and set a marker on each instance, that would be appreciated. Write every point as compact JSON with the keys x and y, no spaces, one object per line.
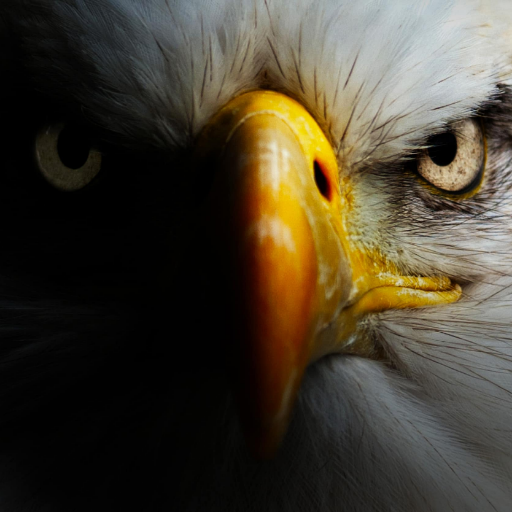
{"x":66,"y":157}
{"x":454,"y":161}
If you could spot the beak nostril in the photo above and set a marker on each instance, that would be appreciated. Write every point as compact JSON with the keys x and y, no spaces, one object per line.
{"x":322,"y":182}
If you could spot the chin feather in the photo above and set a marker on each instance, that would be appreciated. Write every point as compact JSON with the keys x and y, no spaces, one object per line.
{"x":375,"y":442}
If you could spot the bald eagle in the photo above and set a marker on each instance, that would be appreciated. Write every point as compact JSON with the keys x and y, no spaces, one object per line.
{"x":256,"y":255}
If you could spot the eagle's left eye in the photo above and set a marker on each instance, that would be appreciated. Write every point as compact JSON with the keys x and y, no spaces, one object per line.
{"x":454,"y":160}
{"x":66,"y":157}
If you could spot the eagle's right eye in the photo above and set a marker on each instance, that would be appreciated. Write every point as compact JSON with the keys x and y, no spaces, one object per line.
{"x":454,"y":161}
{"x":66,"y":156}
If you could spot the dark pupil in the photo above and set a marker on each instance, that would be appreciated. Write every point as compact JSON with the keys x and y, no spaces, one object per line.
{"x":443,"y":148}
{"x":74,"y":147}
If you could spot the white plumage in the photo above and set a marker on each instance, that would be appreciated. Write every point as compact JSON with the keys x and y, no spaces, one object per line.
{"x":431,"y":429}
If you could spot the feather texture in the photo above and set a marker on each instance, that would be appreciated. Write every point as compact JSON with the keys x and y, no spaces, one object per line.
{"x":378,"y":77}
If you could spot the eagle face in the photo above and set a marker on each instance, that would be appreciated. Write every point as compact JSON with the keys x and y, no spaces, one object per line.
{"x":256,"y":255}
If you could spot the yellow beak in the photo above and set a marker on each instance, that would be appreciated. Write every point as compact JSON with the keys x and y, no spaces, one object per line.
{"x":297,"y":282}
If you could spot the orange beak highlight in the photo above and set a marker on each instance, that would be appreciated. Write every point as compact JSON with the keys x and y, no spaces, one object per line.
{"x":285,"y":254}
{"x":275,"y":274}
